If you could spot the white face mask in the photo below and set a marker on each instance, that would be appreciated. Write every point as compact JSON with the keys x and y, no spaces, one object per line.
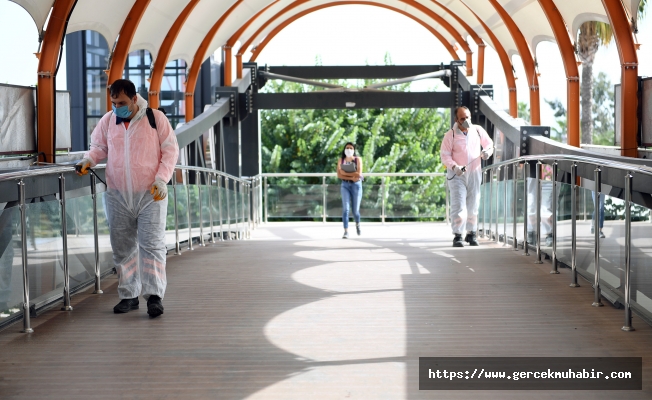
{"x":466,"y":124}
{"x":349,"y":152}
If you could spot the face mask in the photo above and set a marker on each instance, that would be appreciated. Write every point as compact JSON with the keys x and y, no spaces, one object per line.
{"x":349,"y":152}
{"x":466,"y":124}
{"x":122,"y":112}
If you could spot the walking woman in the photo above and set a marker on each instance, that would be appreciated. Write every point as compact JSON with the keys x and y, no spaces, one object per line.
{"x":349,"y":170}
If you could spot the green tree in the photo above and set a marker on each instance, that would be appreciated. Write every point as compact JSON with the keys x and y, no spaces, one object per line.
{"x":602,"y":115}
{"x":523,"y":111}
{"x":387,"y":140}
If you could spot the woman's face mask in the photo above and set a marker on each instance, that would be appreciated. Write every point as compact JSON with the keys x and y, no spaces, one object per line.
{"x":349,"y":152}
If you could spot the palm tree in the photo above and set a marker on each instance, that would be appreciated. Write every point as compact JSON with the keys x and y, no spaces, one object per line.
{"x":591,"y":36}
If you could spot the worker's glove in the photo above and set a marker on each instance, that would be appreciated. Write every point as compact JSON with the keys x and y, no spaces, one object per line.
{"x":459,"y":171}
{"x":486,"y":153}
{"x":83,"y":166}
{"x":159,"y":190}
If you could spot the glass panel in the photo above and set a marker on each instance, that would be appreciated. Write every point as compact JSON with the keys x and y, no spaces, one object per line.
{"x":44,"y":244}
{"x":170,"y":233}
{"x":81,"y":241}
{"x":297,"y":201}
{"x":426,"y":200}
{"x":206,"y":210}
{"x":564,"y":223}
{"x":585,"y":239}
{"x":641,"y":262}
{"x":193,"y":191}
{"x":612,"y":246}
{"x":11,"y":267}
{"x":103,"y":238}
{"x":182,"y":211}
{"x":509,"y":190}
{"x":500,"y":207}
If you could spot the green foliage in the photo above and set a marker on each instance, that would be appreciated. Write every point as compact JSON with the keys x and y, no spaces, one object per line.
{"x":603,"y":113}
{"x":387,"y":140}
{"x":523,"y":111}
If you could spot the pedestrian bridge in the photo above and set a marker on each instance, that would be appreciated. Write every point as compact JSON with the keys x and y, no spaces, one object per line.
{"x":296,"y":312}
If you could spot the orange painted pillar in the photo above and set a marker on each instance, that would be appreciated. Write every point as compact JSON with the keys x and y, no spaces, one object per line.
{"x":121,"y":52}
{"x":228,"y":65}
{"x":480,"y":77}
{"x":622,"y":31}
{"x":47,"y":64}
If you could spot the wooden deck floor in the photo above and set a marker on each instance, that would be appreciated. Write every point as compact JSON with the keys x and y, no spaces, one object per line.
{"x":298,"y":313}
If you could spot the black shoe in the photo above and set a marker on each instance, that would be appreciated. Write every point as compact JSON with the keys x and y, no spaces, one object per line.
{"x":126,"y":305}
{"x":471,"y":239}
{"x":457,"y":241}
{"x":154,"y":306}
{"x":549,"y":240}
{"x":357,"y":229}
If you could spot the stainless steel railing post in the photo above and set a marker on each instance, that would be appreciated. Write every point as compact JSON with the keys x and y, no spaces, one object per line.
{"x":553,"y":200}
{"x":505,"y":173}
{"x":574,"y":190}
{"x":383,"y":195}
{"x":496,"y":233}
{"x":323,"y":193}
{"x":597,"y":300}
{"x":218,"y":179}
{"x":228,"y":208}
{"x":177,"y":245}
{"x":538,"y":212}
{"x":265,"y":190}
{"x":201,"y":211}
{"x":526,"y":174}
{"x":514,"y":206}
{"x":490,"y":174}
{"x":484,"y":203}
{"x":628,"y":253}
{"x":188,"y":209}
{"x":96,"y":241}
{"x":64,"y":237}
{"x":210,"y":205}
{"x":23,"y":239}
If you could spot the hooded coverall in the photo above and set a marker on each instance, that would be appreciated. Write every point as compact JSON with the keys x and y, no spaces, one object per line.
{"x":460,"y":149}
{"x":136,"y":156}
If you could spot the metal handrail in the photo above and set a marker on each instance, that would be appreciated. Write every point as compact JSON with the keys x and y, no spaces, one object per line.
{"x":366,"y":174}
{"x":575,"y":160}
{"x":242,"y":186}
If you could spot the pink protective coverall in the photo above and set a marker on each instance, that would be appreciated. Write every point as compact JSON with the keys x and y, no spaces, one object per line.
{"x":135,"y":158}
{"x":460,"y":149}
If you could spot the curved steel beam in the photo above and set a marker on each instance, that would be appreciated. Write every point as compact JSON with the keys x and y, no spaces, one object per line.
{"x":258,"y":49}
{"x":506,"y":63}
{"x":622,"y":30}
{"x":528,"y":61}
{"x":567,"y":50}
{"x":47,"y":65}
{"x":414,"y":4}
{"x":164,"y":53}
{"x":121,"y":51}
{"x":228,"y":47}
{"x":198,"y":59}
{"x":476,"y":38}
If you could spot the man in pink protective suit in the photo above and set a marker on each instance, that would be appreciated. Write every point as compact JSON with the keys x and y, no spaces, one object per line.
{"x":140,"y":158}
{"x":461,"y":150}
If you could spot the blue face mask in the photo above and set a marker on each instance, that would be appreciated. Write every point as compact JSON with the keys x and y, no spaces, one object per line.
{"x":122,"y":112}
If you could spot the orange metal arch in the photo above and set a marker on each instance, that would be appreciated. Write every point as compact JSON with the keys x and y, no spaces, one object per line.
{"x":413,"y":3}
{"x":121,"y":52}
{"x":228,"y":47}
{"x":198,"y":59}
{"x":258,"y":49}
{"x":629,"y":76}
{"x":476,"y":38}
{"x":47,"y":65}
{"x":528,"y":62}
{"x":570,"y":65}
{"x":449,"y":28}
{"x":164,"y":53}
{"x":506,"y":63}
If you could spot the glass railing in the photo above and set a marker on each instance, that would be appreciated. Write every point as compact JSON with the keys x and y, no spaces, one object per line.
{"x":39,"y":266}
{"x":392,"y":196}
{"x":558,"y":221}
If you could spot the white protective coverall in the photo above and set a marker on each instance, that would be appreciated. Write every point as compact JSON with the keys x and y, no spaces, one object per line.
{"x":460,"y":149}
{"x":136,"y":157}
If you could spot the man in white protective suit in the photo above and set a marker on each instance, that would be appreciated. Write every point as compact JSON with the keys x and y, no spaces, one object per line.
{"x":461,"y":150}
{"x":141,"y":151}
